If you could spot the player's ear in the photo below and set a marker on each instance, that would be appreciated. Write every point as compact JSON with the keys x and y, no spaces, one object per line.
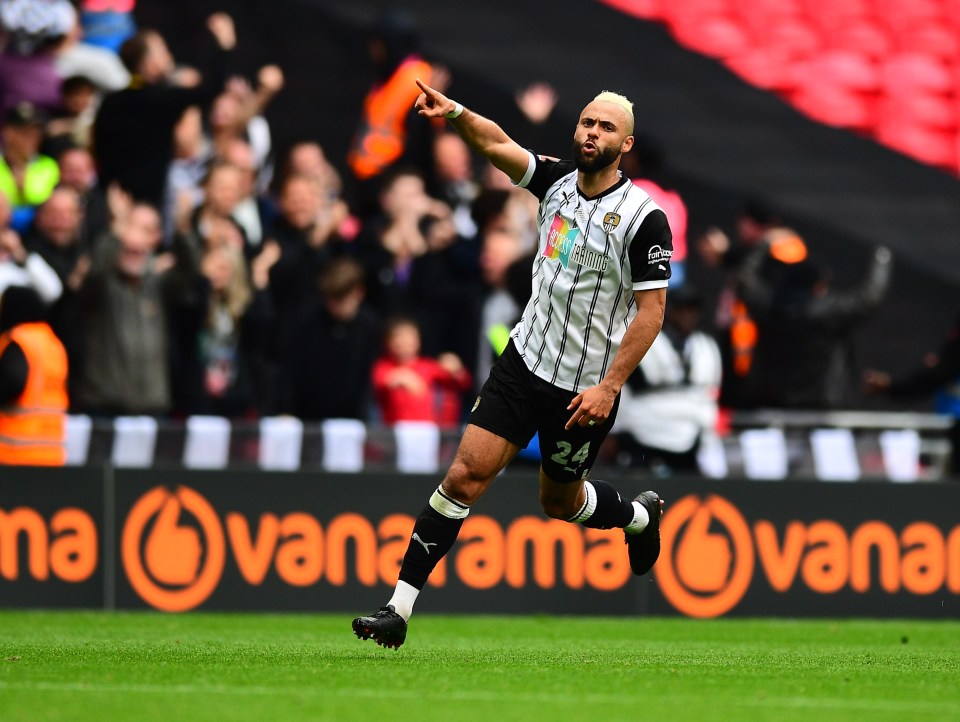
{"x":627,"y":144}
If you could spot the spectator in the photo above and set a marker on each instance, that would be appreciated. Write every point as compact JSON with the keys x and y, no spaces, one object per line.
{"x":107,"y":23}
{"x":133,"y":132}
{"x":188,"y":168}
{"x":73,"y":120}
{"x":217,"y":338}
{"x":669,"y":404}
{"x":26,"y":177}
{"x":33,"y":28}
{"x":103,"y":69}
{"x":237,"y":113}
{"x":391,"y":242}
{"x":77,"y":171}
{"x":500,"y":250}
{"x":305,"y":234}
{"x":253,"y":213}
{"x":804,"y":352}
{"x":308,"y":159}
{"x":19,"y":267}
{"x":386,"y":137}
{"x":33,"y":383}
{"x":444,"y":288}
{"x":56,"y":237}
{"x":411,"y":387}
{"x":126,"y":302}
{"x":211,"y":223}
{"x":722,"y":259}
{"x":456,"y":183}
{"x":939,"y":374}
{"x":328,"y":362}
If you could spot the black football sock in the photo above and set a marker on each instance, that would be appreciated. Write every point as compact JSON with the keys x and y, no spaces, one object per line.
{"x":603,"y":507}
{"x":434,"y":532}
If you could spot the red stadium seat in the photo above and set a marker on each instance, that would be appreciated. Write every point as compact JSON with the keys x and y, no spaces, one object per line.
{"x":688,"y":11}
{"x":795,"y":35}
{"x":932,"y":38}
{"x":900,"y":14}
{"x":831,"y":15}
{"x":937,"y":112}
{"x":849,"y":70}
{"x":719,"y":36}
{"x":934,"y":147}
{"x":834,"y":105}
{"x":646,"y":9}
{"x":910,"y":72}
{"x":766,"y":68}
{"x":862,"y":35}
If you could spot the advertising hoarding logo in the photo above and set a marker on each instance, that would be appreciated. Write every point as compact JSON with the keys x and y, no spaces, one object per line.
{"x":707,"y":561}
{"x":171,"y":563}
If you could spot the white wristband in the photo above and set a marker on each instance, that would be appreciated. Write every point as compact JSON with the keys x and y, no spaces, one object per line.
{"x":455,"y":112}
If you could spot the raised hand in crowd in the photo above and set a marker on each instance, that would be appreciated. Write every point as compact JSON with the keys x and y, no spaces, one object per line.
{"x":223,"y":30}
{"x":11,"y":246}
{"x":261,"y":265}
{"x":537,"y":102}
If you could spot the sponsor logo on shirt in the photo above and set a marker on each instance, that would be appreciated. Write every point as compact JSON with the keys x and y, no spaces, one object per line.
{"x":560,"y":246}
{"x":658,"y":254}
{"x":560,"y":240}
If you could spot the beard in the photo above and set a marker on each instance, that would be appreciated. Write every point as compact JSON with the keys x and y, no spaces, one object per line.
{"x":600,"y":160}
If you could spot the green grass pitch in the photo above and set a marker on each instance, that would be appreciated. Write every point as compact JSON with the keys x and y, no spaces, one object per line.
{"x":205,"y":666}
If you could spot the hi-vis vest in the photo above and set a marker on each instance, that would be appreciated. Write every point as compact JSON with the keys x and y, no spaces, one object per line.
{"x":39,"y":180}
{"x":381,"y":136}
{"x":32,"y":428}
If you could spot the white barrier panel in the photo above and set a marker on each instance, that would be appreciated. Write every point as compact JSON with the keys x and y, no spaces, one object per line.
{"x":343,"y":441}
{"x":207,"y":445}
{"x":834,"y":455}
{"x":711,"y":457}
{"x":77,"y":432}
{"x":901,"y":454}
{"x":281,"y":441}
{"x":764,"y":453}
{"x":134,"y":441}
{"x":418,"y":446}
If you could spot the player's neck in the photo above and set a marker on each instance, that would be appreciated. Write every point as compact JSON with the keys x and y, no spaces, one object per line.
{"x":593,"y":184}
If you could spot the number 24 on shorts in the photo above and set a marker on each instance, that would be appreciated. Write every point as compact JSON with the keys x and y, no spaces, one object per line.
{"x":563,"y":452}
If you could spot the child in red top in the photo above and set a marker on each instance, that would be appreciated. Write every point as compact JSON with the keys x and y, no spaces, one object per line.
{"x":409,"y":387}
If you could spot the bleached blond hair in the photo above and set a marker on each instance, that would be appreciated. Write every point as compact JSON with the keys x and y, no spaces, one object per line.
{"x":608,"y":96}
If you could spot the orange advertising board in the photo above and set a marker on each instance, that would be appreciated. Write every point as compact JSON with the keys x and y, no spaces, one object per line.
{"x":178,"y":541}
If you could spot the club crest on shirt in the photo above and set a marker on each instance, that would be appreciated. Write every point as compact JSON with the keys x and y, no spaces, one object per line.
{"x":610,"y":221}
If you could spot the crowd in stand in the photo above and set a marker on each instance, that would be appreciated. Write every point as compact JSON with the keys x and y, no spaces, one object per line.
{"x":188,"y":267}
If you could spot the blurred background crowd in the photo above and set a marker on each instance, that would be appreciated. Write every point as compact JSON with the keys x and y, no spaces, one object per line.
{"x":187,"y":262}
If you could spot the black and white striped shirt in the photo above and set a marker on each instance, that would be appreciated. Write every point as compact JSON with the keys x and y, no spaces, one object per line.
{"x":593,"y":254}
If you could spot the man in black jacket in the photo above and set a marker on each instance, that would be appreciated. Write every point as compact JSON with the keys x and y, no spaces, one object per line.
{"x":804,"y":354}
{"x":939,"y":373}
{"x":133,"y":133}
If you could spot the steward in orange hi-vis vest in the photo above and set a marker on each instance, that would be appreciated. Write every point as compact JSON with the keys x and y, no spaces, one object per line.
{"x":32,"y":423}
{"x":381,"y":137}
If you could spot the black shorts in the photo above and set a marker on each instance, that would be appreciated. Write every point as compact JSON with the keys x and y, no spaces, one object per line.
{"x":515,"y":404}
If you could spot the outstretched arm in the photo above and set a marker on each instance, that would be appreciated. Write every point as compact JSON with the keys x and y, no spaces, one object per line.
{"x":481,"y":134}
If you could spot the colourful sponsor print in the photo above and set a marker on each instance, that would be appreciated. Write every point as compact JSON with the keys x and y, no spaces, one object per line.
{"x":560,"y":240}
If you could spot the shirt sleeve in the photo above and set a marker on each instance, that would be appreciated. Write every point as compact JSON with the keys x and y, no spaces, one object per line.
{"x":650,"y":251}
{"x":543,"y":172}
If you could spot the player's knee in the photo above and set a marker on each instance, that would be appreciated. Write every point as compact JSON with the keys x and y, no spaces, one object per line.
{"x":464,"y":483}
